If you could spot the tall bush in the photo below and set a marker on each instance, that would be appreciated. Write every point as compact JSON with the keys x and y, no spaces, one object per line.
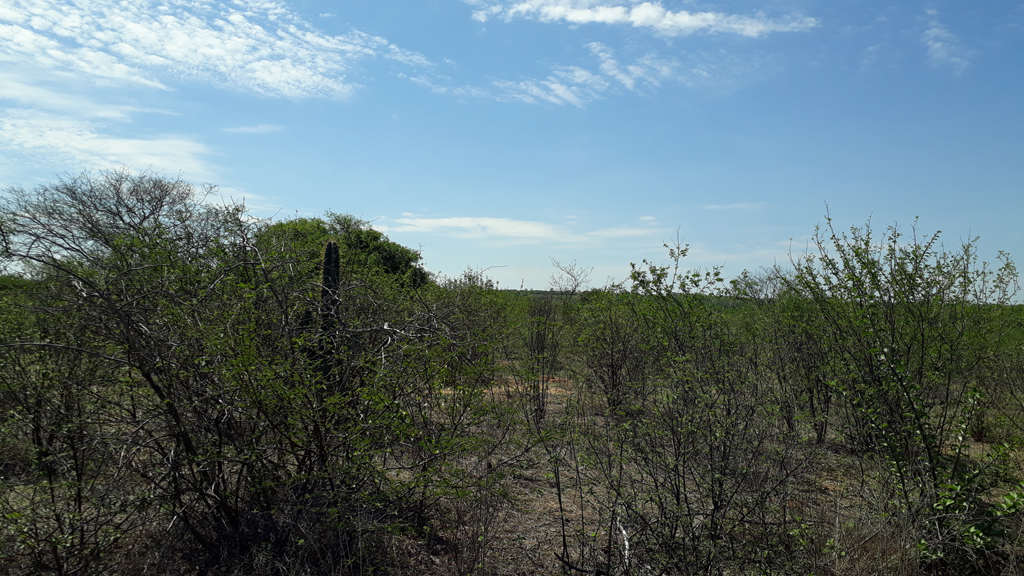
{"x":913,"y":329}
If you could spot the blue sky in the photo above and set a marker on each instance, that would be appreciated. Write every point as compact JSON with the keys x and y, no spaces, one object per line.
{"x":500,"y":135}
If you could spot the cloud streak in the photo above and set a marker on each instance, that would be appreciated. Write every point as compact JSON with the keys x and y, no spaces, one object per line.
{"x":472,"y":227}
{"x":644,"y":15}
{"x":553,"y":90}
{"x":620,"y":232}
{"x":23,"y":91}
{"x":737,"y":206}
{"x":62,"y":140}
{"x":259,"y":129}
{"x":508,"y":230}
{"x":649,"y":68}
{"x":576,"y":85}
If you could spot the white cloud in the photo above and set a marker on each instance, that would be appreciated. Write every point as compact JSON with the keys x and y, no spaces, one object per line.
{"x":649,"y":68}
{"x":646,"y":15}
{"x":578,"y":86}
{"x":620,"y":232}
{"x":470,"y":91}
{"x":259,"y":129}
{"x":944,"y":48}
{"x":59,"y":140}
{"x":749,"y":256}
{"x":63,"y":63}
{"x":433,"y":86}
{"x":510,"y":231}
{"x":566,"y":85}
{"x":551,"y":90}
{"x":737,"y":206}
{"x":247,"y":45}
{"x":572,"y":85}
{"x":47,"y":125}
{"x":870,"y":56}
{"x":582,"y":77}
{"x":22,"y":44}
{"x":484,"y":227}
{"x":485,"y":14}
{"x":23,"y":90}
{"x":255,"y":203}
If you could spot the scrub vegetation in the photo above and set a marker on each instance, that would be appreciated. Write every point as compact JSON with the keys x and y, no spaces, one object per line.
{"x":188,"y":389}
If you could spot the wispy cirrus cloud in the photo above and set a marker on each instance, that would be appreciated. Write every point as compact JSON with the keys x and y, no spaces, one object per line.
{"x":737,"y":206}
{"x":509,"y":230}
{"x":553,"y":89}
{"x":434,"y":84}
{"x":645,"y":15}
{"x":620,"y":232}
{"x":571,"y":85}
{"x":256,"y":46}
{"x":49,"y":125}
{"x":944,"y":47}
{"x":648,"y":68}
{"x":25,"y":91}
{"x":65,"y":61}
{"x":576,"y":85}
{"x":258,"y":129}
{"x":55,"y":139}
{"x":484,"y":227}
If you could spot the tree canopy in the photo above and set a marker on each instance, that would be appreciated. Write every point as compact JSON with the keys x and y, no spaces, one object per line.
{"x":363,"y":249}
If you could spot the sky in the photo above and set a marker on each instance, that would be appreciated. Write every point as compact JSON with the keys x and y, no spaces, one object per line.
{"x":502,"y":136}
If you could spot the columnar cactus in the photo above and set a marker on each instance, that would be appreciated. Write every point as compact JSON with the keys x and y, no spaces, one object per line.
{"x":330,"y":284}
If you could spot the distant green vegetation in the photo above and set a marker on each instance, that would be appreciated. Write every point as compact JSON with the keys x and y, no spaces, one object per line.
{"x":186,"y":389}
{"x":13,"y":283}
